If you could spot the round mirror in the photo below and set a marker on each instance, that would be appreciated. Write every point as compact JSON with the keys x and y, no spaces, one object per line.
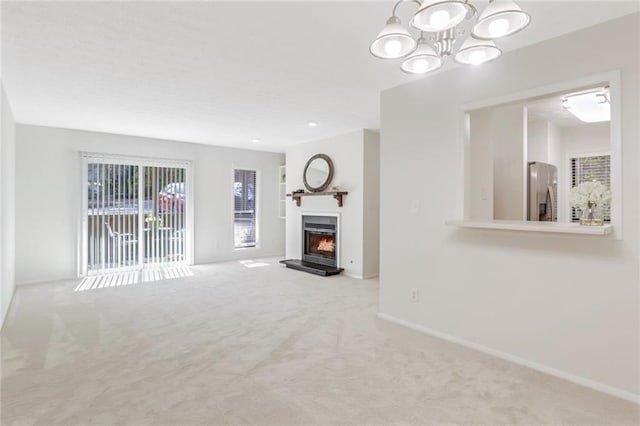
{"x":318,"y":173}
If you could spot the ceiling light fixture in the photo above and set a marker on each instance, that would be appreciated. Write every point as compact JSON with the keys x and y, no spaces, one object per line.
{"x":477,"y":52}
{"x":446,"y":20}
{"x":423,"y":59}
{"x":312,"y":123}
{"x":500,"y":18}
{"x":593,"y":106}
{"x":393,"y":42}
{"x":255,"y":140}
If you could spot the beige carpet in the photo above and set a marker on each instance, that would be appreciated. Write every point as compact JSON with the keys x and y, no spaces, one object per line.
{"x":255,"y":344}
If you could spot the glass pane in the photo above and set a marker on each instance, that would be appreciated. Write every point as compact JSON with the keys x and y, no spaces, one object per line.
{"x":244,"y":208}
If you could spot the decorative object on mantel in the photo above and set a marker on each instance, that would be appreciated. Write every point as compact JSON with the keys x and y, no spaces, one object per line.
{"x":317,"y":176}
{"x":590,"y":197}
{"x":445,"y":20}
{"x":297,"y":196}
{"x":318,"y":173}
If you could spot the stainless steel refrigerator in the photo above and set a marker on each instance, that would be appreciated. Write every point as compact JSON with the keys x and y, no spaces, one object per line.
{"x":542,"y":194}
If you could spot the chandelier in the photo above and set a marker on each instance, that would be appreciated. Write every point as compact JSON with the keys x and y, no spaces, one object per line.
{"x":444,"y":21}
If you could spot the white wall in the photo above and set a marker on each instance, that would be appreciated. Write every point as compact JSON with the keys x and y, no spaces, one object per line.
{"x":481,"y":164}
{"x":347,"y":153}
{"x":48,"y":196}
{"x":497,"y":151}
{"x":371,"y":206}
{"x":7,"y":207}
{"x":538,"y":141}
{"x":484,"y":287}
{"x":509,"y":148}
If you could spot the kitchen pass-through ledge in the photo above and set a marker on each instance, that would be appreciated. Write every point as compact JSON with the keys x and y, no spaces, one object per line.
{"x":519,"y":225}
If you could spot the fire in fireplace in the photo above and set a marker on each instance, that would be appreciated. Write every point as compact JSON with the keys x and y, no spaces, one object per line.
{"x":319,"y":240}
{"x":323,"y":245}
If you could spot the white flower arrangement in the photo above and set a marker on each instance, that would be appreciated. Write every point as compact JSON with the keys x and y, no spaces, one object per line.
{"x":589,"y":194}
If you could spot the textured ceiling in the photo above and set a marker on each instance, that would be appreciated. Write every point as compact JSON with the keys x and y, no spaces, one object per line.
{"x":220,"y":73}
{"x":551,"y":109}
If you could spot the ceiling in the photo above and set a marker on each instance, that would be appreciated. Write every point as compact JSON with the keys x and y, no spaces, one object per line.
{"x":221,"y":73}
{"x":551,"y":109}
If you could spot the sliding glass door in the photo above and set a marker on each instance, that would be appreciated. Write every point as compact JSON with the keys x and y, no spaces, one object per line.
{"x":164,"y":220}
{"x":112,"y":216}
{"x":135,"y":214}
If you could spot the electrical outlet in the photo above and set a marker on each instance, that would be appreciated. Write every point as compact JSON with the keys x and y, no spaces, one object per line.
{"x":415,"y":295}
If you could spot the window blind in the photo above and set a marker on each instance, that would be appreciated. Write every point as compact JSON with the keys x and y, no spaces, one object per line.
{"x":592,"y":168}
{"x":244,"y":221}
{"x":135,"y":213}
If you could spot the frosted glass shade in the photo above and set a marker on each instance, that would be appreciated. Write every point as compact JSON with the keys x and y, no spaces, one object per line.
{"x":438,"y":15}
{"x":476,"y":52}
{"x":423,"y":60}
{"x":590,"y":107}
{"x":393,"y":42}
{"x":500,"y":18}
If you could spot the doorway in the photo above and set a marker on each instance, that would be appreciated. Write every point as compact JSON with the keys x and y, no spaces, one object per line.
{"x":135,"y":213}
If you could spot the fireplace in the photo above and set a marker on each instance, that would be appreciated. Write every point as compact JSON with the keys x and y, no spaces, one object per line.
{"x":320,"y":240}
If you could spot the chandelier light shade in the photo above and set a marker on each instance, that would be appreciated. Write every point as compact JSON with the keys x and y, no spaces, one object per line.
{"x":393,"y":42}
{"x":423,"y":60}
{"x":442,"y":24}
{"x":440,"y":15}
{"x":476,"y":52}
{"x":500,"y":18}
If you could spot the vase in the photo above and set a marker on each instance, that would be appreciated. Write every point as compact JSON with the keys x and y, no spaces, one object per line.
{"x":592,"y":216}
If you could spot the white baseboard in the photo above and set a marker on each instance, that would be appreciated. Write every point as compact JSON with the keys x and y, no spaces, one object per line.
{"x":601,"y":387}
{"x":46,"y":281}
{"x":6,"y":312}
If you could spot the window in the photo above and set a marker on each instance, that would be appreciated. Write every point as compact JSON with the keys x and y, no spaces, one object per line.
{"x":244,"y":219}
{"x":591,"y":168}
{"x":135,"y":213}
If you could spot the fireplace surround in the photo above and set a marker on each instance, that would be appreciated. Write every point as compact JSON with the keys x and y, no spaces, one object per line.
{"x":320,"y":245}
{"x":319,"y":240}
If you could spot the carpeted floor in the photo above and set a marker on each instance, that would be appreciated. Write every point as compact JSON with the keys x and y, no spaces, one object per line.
{"x":252,"y":343}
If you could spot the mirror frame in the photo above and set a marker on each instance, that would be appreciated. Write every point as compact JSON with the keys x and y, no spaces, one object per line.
{"x":327,"y":182}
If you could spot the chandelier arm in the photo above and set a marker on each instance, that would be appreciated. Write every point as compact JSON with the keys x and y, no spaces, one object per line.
{"x":395,"y":7}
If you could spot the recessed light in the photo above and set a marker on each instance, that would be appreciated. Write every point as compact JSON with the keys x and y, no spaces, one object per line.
{"x":255,"y":140}
{"x":312,"y":123}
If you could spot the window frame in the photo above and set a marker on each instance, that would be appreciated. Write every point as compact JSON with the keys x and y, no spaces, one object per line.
{"x":463,"y":165}
{"x":569,"y":179}
{"x":256,"y":206}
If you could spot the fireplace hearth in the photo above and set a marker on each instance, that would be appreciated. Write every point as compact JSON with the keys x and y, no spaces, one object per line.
{"x":319,"y":246}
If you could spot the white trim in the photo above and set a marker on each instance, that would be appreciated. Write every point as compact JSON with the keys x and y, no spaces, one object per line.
{"x":579,"y":380}
{"x":133,"y":160}
{"x":48,"y":280}
{"x":6,"y":313}
{"x":612,"y":78}
{"x":190,"y":222}
{"x":140,"y":162}
{"x":257,"y":204}
{"x":82,"y":255}
{"x":534,"y":226}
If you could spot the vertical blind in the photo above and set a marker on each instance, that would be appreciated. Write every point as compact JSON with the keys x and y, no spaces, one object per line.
{"x":594,"y":168}
{"x":112,"y":216}
{"x":244,"y":217}
{"x":135,"y":213}
{"x":164,"y":220}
